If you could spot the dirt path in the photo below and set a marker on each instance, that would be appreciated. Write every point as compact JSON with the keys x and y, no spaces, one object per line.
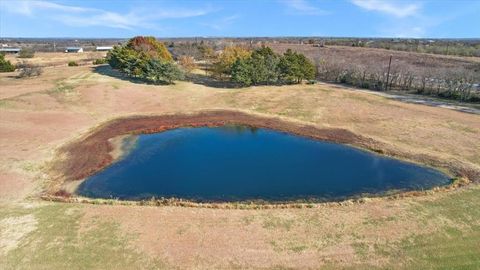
{"x":418,"y":99}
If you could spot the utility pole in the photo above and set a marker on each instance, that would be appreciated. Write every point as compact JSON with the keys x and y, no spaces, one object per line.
{"x":388,"y":72}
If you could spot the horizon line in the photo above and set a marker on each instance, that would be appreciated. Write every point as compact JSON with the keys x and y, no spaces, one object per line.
{"x":255,"y":37}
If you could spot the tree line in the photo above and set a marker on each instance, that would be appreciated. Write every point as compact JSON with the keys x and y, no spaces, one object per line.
{"x":458,"y":83}
{"x":444,"y":48}
{"x":262,"y":66}
{"x":148,"y":59}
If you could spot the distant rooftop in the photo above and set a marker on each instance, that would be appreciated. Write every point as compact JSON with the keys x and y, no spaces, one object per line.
{"x":10,"y":49}
{"x":104,"y":48}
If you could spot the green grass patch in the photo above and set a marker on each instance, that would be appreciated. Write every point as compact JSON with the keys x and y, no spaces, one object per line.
{"x":61,"y":88}
{"x":58,"y":242}
{"x":5,"y":104}
{"x":277,"y":222}
{"x":457,"y":244}
{"x":448,"y":249}
{"x":361,"y":249}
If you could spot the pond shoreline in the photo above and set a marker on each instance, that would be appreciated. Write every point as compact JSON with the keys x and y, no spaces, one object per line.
{"x":256,"y":204}
{"x":100,"y":148}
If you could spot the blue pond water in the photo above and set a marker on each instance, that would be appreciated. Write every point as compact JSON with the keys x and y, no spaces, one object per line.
{"x":236,"y":163}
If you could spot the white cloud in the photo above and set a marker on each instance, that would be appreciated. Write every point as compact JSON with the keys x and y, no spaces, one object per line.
{"x":303,"y":7}
{"x":25,"y":7}
{"x":396,"y":9}
{"x":81,"y":16}
{"x":222,"y":23}
{"x":108,"y":19}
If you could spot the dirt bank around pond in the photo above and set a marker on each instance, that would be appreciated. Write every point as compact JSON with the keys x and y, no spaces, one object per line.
{"x":93,"y":152}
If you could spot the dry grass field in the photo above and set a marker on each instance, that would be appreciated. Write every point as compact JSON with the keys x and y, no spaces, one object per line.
{"x":39,"y":115}
{"x":365,"y":56}
{"x":50,"y":59}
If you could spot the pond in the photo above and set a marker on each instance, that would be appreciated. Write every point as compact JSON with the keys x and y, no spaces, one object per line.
{"x":239,"y":163}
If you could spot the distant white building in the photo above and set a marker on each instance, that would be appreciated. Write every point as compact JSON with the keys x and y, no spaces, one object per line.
{"x":74,"y":50}
{"x":10,"y":50}
{"x":104,"y":48}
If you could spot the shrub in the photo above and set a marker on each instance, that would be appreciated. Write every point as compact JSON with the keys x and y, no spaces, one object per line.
{"x":26,"y":53}
{"x":72,"y":64}
{"x":158,"y":71}
{"x":474,"y":99}
{"x":29,"y":70}
{"x":100,"y":61}
{"x":144,"y":58}
{"x":5,"y":65}
{"x":365,"y":85}
{"x":187,"y":62}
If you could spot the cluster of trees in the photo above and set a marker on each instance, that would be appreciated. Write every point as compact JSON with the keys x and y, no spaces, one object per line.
{"x":198,"y":50}
{"x":263,"y":66}
{"x":145,"y":58}
{"x":445,"y":48}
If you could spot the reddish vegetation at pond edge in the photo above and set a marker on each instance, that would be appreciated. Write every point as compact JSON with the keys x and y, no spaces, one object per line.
{"x":91,"y":153}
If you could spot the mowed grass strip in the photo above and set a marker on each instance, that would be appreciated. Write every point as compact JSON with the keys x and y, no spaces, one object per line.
{"x":59,"y":242}
{"x":457,"y":244}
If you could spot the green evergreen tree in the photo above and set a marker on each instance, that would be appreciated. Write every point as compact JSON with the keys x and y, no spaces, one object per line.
{"x":5,"y":65}
{"x":265,"y":66}
{"x":260,"y":68}
{"x":158,"y":71}
{"x":295,"y":67}
{"x":242,"y":72}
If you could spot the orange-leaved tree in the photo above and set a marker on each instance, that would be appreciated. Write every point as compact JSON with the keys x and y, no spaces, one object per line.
{"x":224,"y":61}
{"x":150,"y":46}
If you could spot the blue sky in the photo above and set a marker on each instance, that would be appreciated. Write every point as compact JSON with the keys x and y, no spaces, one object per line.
{"x":182,"y":18}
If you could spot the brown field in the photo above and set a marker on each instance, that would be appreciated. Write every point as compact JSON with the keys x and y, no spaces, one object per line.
{"x":50,"y":59}
{"x":409,"y":71}
{"x":366,"y":56}
{"x":41,"y":116}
